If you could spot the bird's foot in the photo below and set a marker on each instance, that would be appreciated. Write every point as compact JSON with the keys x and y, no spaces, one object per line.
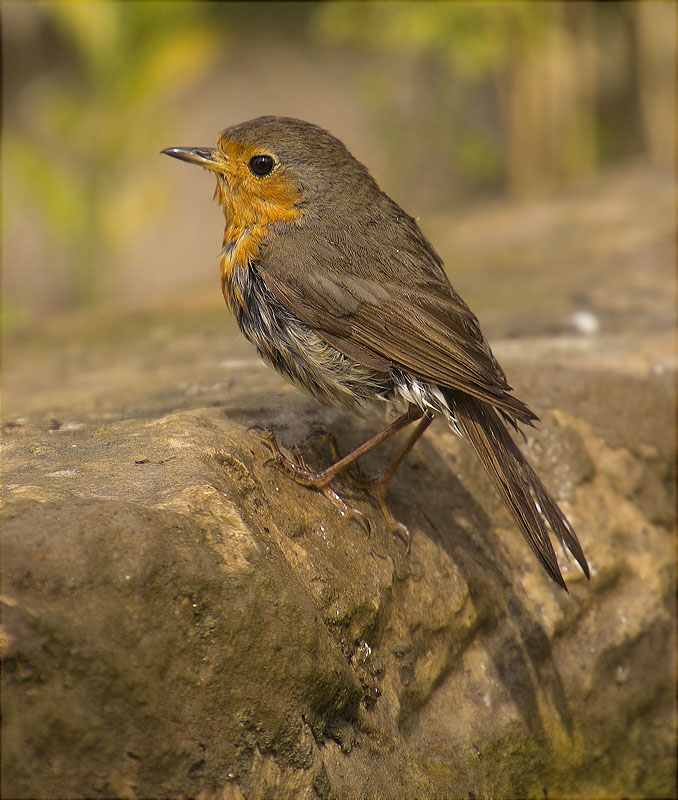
{"x":374,"y":486}
{"x":301,"y":474}
{"x":377,"y":488}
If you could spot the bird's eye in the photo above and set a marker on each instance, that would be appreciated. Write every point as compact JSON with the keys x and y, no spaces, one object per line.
{"x":261,"y":165}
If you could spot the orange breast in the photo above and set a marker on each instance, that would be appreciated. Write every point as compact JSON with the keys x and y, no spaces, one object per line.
{"x":252,"y":206}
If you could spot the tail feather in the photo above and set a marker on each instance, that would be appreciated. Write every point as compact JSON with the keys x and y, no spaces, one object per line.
{"x":526,"y":497}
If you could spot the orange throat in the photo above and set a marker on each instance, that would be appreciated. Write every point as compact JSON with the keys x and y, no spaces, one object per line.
{"x":249,"y":223}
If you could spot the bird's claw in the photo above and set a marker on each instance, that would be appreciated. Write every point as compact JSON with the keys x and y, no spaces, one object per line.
{"x":298,"y":470}
{"x":345,"y":510}
{"x":300,"y":473}
{"x":268,"y":437}
{"x":374,"y":486}
{"x":278,"y":458}
{"x":401,"y":530}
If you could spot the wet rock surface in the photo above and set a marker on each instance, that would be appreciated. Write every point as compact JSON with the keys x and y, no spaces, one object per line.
{"x":180,"y":619}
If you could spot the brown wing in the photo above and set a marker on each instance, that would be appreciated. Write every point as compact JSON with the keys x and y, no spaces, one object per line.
{"x":388,"y":307}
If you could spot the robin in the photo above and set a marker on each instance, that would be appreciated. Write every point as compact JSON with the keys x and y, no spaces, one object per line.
{"x":341,"y":292}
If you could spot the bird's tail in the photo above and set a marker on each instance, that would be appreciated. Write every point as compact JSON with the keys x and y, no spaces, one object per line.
{"x":525,"y":495}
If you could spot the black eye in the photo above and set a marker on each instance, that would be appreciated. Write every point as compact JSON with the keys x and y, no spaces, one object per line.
{"x":261,"y":165}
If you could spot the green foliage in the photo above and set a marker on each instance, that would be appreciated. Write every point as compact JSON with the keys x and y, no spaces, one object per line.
{"x":84,"y":131}
{"x":456,"y":50}
{"x":476,"y":37}
{"x":507,"y":94}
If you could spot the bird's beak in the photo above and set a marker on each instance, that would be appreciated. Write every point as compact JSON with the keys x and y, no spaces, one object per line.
{"x":208,"y":157}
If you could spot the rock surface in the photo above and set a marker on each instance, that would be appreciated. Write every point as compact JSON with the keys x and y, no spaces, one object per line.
{"x":181,"y":620}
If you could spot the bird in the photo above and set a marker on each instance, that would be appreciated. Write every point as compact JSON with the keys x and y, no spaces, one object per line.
{"x":341,"y":292}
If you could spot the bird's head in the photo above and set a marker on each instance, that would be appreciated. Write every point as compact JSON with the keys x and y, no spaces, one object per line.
{"x":279,"y":170}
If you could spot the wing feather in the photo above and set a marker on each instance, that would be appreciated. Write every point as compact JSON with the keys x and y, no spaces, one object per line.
{"x":355,"y":297}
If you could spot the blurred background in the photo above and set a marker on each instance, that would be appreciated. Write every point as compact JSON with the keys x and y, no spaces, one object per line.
{"x":453,"y":106}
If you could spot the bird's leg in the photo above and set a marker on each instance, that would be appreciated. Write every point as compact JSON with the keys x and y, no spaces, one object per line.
{"x":377,"y":485}
{"x":355,"y":474}
{"x":307,"y":477}
{"x":322,"y":479}
{"x":333,"y":497}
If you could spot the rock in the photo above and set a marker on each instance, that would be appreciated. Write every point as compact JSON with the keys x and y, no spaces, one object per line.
{"x":181,"y":620}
